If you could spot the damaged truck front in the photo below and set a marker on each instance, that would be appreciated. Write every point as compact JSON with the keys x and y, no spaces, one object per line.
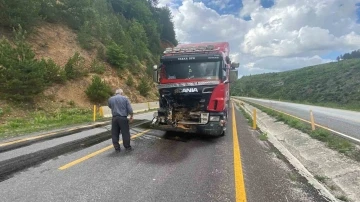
{"x":193,"y":82}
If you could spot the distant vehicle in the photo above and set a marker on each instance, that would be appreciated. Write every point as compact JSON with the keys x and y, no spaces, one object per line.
{"x":193,"y":82}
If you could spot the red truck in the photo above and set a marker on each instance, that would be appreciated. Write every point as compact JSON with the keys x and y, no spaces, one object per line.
{"x":193,"y":82}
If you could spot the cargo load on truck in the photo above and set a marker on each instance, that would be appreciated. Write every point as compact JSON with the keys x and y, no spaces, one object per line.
{"x":193,"y":83}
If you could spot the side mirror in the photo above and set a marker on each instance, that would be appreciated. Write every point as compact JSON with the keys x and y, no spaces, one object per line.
{"x":233,"y":76}
{"x":234,"y":65}
{"x":155,"y":77}
{"x":155,"y":74}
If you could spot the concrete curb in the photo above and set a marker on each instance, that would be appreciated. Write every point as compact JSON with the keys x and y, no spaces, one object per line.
{"x":294,"y":161}
{"x":21,"y":141}
{"x":10,"y":145}
{"x":21,"y":162}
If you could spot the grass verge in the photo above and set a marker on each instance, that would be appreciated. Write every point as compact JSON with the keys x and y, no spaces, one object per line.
{"x":263,"y":137}
{"x":343,"y":198}
{"x":42,"y":121}
{"x":247,"y":116}
{"x":38,"y":121}
{"x":332,"y":141}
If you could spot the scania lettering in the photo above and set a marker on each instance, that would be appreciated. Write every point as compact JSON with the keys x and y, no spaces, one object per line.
{"x":193,"y":83}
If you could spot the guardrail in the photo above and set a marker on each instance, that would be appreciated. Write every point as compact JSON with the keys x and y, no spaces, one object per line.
{"x":105,"y":111}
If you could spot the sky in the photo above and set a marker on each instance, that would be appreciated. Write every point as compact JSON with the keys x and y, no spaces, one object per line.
{"x":271,"y":35}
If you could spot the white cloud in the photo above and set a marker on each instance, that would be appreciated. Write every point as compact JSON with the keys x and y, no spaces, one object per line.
{"x":250,"y":6}
{"x":291,"y":34}
{"x":220,"y":3}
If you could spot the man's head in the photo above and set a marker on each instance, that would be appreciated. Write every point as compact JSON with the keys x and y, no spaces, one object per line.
{"x":119,"y":91}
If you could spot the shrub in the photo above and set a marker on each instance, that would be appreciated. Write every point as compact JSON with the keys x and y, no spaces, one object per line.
{"x":84,"y":37}
{"x":130,"y":81}
{"x":144,"y":88}
{"x":53,"y":72}
{"x":97,"y":67}
{"x":74,"y":67}
{"x":21,"y":75}
{"x":101,"y":55}
{"x":19,"y":12}
{"x":98,"y":91}
{"x":116,"y":56}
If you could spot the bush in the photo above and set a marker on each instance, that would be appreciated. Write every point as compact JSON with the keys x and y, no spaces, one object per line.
{"x":130,"y":81}
{"x":97,"y":67}
{"x":84,"y":37}
{"x":98,"y":91}
{"x":53,"y":72}
{"x":74,"y":67}
{"x":101,"y":55}
{"x":19,"y":12}
{"x":49,"y":11}
{"x":116,"y":56}
{"x":21,"y":75}
{"x":144,"y":88}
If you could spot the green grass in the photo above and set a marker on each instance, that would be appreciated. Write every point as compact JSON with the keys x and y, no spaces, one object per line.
{"x":320,"y":178}
{"x":333,"y":85}
{"x":293,"y":176}
{"x":38,"y":121}
{"x":41,"y":121}
{"x":332,"y":141}
{"x":247,"y":116}
{"x":343,"y":198}
{"x":263,"y":137}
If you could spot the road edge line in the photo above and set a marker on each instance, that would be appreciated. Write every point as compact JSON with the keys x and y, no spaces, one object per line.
{"x":303,"y":171}
{"x":318,"y":125}
{"x":240,"y":192}
{"x":91,"y":155}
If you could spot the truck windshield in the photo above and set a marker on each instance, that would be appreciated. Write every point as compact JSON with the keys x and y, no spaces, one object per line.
{"x":192,"y":70}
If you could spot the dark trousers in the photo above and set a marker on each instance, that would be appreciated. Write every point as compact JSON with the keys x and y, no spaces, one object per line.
{"x":120,"y":124}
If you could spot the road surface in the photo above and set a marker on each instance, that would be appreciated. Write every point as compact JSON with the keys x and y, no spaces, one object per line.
{"x":343,"y":121}
{"x":166,"y":167}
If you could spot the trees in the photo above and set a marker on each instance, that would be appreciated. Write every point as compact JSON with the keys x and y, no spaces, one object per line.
{"x":131,"y":31}
{"x":21,"y":75}
{"x":116,"y":56}
{"x":352,"y":55}
{"x":19,"y":12}
{"x":98,"y":91}
{"x":167,"y":26}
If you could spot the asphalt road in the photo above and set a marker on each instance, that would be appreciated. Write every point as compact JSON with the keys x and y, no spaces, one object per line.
{"x":343,"y":121}
{"x":166,"y":167}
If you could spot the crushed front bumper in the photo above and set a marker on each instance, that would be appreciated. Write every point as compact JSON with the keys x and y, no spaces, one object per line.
{"x":212,"y":128}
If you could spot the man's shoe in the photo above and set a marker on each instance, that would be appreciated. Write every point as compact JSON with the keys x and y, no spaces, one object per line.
{"x":117,"y":150}
{"x":129,"y":149}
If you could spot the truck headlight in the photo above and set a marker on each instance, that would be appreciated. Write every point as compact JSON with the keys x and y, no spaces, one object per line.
{"x":204,"y":117}
{"x":214,"y":118}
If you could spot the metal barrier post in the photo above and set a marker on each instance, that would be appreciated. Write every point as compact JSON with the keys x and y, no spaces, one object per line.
{"x":312,"y":120}
{"x":254,"y":119}
{"x":94,"y":113}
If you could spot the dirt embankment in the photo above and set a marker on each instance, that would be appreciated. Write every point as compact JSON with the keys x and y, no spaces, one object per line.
{"x":59,"y":43}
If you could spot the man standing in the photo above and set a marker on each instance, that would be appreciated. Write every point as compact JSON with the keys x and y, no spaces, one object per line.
{"x":120,"y":109}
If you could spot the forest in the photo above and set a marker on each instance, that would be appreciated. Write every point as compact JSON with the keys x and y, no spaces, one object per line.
{"x":334,"y":84}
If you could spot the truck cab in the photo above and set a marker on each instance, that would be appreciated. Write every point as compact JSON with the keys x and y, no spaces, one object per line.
{"x":193,"y":83}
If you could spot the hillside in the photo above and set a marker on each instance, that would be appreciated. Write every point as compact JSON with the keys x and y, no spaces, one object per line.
{"x":51,"y":50}
{"x":335,"y":84}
